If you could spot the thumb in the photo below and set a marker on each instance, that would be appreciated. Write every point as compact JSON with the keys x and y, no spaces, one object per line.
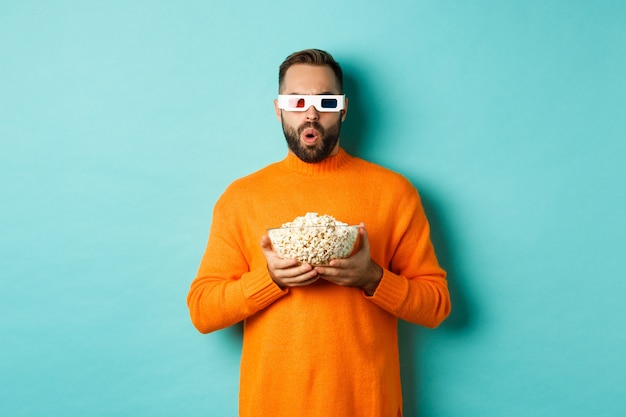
{"x":266,"y":243}
{"x":365,"y":244}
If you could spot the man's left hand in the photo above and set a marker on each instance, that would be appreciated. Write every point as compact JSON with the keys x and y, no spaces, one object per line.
{"x":359,"y":270}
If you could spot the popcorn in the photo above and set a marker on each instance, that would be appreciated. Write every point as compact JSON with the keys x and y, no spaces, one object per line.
{"x":314,"y":239}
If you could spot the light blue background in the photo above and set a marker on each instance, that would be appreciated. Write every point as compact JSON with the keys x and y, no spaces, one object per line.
{"x":121,"y":122}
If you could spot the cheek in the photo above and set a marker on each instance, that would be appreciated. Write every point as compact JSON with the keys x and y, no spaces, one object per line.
{"x":292,"y":118}
{"x":331,"y":119}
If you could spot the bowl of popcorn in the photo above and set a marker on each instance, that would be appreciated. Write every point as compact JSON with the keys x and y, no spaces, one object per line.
{"x":314,"y":239}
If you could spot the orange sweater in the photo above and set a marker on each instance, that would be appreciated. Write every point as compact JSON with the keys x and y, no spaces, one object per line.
{"x":320,"y":350}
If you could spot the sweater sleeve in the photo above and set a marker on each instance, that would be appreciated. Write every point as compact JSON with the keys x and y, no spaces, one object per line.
{"x":424,"y":300}
{"x":413,"y":286}
{"x":225,"y":290}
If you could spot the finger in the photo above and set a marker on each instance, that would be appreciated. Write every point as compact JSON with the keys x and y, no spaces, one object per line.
{"x":290,"y":271}
{"x":266,"y":243}
{"x":273,"y":260}
{"x":365,"y":243}
{"x":333,"y":267}
{"x":301,"y":280}
{"x":297,"y":270}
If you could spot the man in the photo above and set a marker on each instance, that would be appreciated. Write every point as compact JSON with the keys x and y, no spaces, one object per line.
{"x":318,"y":341}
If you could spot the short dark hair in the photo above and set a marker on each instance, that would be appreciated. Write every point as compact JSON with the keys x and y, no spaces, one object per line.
{"x":311,"y":57}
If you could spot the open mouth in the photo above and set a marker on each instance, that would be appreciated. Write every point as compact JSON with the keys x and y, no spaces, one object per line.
{"x":310,"y":135}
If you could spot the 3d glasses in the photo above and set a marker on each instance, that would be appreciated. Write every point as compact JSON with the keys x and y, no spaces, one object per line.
{"x":323,"y":103}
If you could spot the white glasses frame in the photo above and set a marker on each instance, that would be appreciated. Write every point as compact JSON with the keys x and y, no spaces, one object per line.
{"x":302,"y":102}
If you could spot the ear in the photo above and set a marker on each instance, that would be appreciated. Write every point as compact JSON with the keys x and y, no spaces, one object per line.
{"x":279,"y":114}
{"x":345,"y":110}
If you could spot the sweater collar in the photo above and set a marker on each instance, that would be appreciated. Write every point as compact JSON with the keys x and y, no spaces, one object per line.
{"x":328,"y":165}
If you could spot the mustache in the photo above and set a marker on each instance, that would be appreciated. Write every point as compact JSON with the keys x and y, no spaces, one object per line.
{"x":311,"y":125}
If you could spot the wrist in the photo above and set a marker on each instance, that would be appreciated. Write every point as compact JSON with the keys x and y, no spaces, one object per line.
{"x":375,"y":276}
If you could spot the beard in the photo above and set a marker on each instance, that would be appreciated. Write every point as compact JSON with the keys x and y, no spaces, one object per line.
{"x":328,"y":138}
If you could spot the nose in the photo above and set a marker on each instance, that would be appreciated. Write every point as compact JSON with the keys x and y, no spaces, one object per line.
{"x":311,"y":113}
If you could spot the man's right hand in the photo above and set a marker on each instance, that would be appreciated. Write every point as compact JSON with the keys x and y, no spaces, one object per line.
{"x":287,"y":272}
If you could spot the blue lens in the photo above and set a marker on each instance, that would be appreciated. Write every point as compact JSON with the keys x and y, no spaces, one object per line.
{"x":329,"y":103}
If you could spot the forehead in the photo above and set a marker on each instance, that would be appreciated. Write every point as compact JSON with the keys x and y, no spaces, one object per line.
{"x":310,"y":79}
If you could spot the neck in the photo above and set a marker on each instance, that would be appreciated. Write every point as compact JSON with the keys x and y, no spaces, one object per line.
{"x":329,"y":164}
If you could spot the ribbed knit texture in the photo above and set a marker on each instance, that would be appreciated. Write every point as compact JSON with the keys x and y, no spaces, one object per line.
{"x":320,"y":350}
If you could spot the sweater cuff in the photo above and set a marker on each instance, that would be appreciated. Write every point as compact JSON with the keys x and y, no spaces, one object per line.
{"x":390,"y":292}
{"x":259,"y":287}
